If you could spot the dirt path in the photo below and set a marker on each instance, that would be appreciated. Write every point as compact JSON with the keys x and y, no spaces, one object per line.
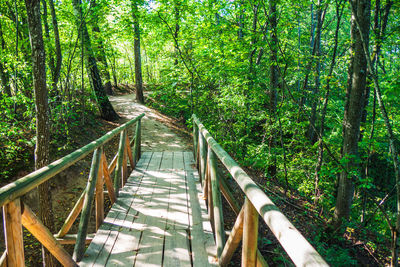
{"x":158,"y":131}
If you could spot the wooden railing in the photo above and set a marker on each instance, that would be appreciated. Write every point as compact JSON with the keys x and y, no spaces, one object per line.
{"x":16,"y":213}
{"x":256,"y":204}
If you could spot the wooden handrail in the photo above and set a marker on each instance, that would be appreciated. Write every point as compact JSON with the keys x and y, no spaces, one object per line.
{"x":17,"y":214}
{"x":23,"y":185}
{"x":296,"y":246}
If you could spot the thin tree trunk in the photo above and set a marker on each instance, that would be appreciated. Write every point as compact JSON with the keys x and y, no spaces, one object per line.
{"x":100,"y":55}
{"x":355,"y":97}
{"x":138,"y":60}
{"x":42,"y":119}
{"x":47,"y":35}
{"x":57,"y":70}
{"x":106,"y":109}
{"x":339,"y":14}
{"x":4,"y":76}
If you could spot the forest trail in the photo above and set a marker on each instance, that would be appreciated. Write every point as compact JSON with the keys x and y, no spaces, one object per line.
{"x":156,"y":135}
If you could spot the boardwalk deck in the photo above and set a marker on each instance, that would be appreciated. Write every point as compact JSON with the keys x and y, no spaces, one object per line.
{"x":159,"y":218}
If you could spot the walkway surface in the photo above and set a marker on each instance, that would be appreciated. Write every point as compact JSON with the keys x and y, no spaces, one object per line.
{"x":159,"y":218}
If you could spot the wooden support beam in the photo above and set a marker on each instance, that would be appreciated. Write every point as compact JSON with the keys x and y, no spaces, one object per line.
{"x":43,"y":235}
{"x":233,"y":241}
{"x":124,"y":174}
{"x":216,"y":203}
{"x":113,"y":163}
{"x":89,"y":192}
{"x":107,"y":179}
{"x":195,"y":140}
{"x":226,"y":192}
{"x":71,"y":239}
{"x":13,"y":233}
{"x":129,"y":152}
{"x":72,"y":216}
{"x":250,"y":235}
{"x":3,"y":259}
{"x":203,"y":155}
{"x":99,"y":199}
{"x":118,"y":170}
{"x":136,"y":147}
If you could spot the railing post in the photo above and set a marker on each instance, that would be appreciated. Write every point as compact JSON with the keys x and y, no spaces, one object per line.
{"x":216,"y":203}
{"x":118,"y":170}
{"x":100,"y":194}
{"x":250,"y":234}
{"x":89,"y":192}
{"x":195,"y":140}
{"x":124,"y":163}
{"x":137,"y":144}
{"x":13,"y":233}
{"x":203,"y":157}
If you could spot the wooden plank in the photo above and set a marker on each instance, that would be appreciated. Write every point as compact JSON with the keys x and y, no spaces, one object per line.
{"x":178,"y":161}
{"x":151,"y":249}
{"x":107,"y":179}
{"x":71,"y":239}
{"x":178,"y":217}
{"x":13,"y":233}
{"x":176,"y":249}
{"x":202,"y":240}
{"x":99,"y":240}
{"x":166,"y":163}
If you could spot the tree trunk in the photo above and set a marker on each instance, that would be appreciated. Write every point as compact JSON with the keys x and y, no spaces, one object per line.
{"x":138,"y":60}
{"x":42,"y":119}
{"x":355,"y":97}
{"x":57,"y":70}
{"x":274,"y":72}
{"x":106,"y":109}
{"x":100,"y":55}
{"x":4,"y":76}
{"x":316,"y":53}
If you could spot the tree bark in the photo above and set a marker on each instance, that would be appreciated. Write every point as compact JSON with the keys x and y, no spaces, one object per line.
{"x":138,"y":60}
{"x":4,"y":76}
{"x":106,"y":109}
{"x":100,"y":55}
{"x":42,"y":117}
{"x":57,"y":70}
{"x":355,"y":97}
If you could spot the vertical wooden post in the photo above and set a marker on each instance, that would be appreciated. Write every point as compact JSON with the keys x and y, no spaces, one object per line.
{"x":195,"y":139}
{"x":203,"y":156}
{"x":208,"y":193}
{"x":100,"y":195}
{"x":13,"y":233}
{"x":250,"y":234}
{"x":125,"y":164}
{"x":118,"y":170}
{"x":129,"y":152}
{"x":217,"y":203}
{"x":140,"y":139}
{"x":136,"y":146}
{"x":89,"y":192}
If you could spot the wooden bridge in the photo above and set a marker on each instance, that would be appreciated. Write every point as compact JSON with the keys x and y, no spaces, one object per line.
{"x":166,"y":212}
